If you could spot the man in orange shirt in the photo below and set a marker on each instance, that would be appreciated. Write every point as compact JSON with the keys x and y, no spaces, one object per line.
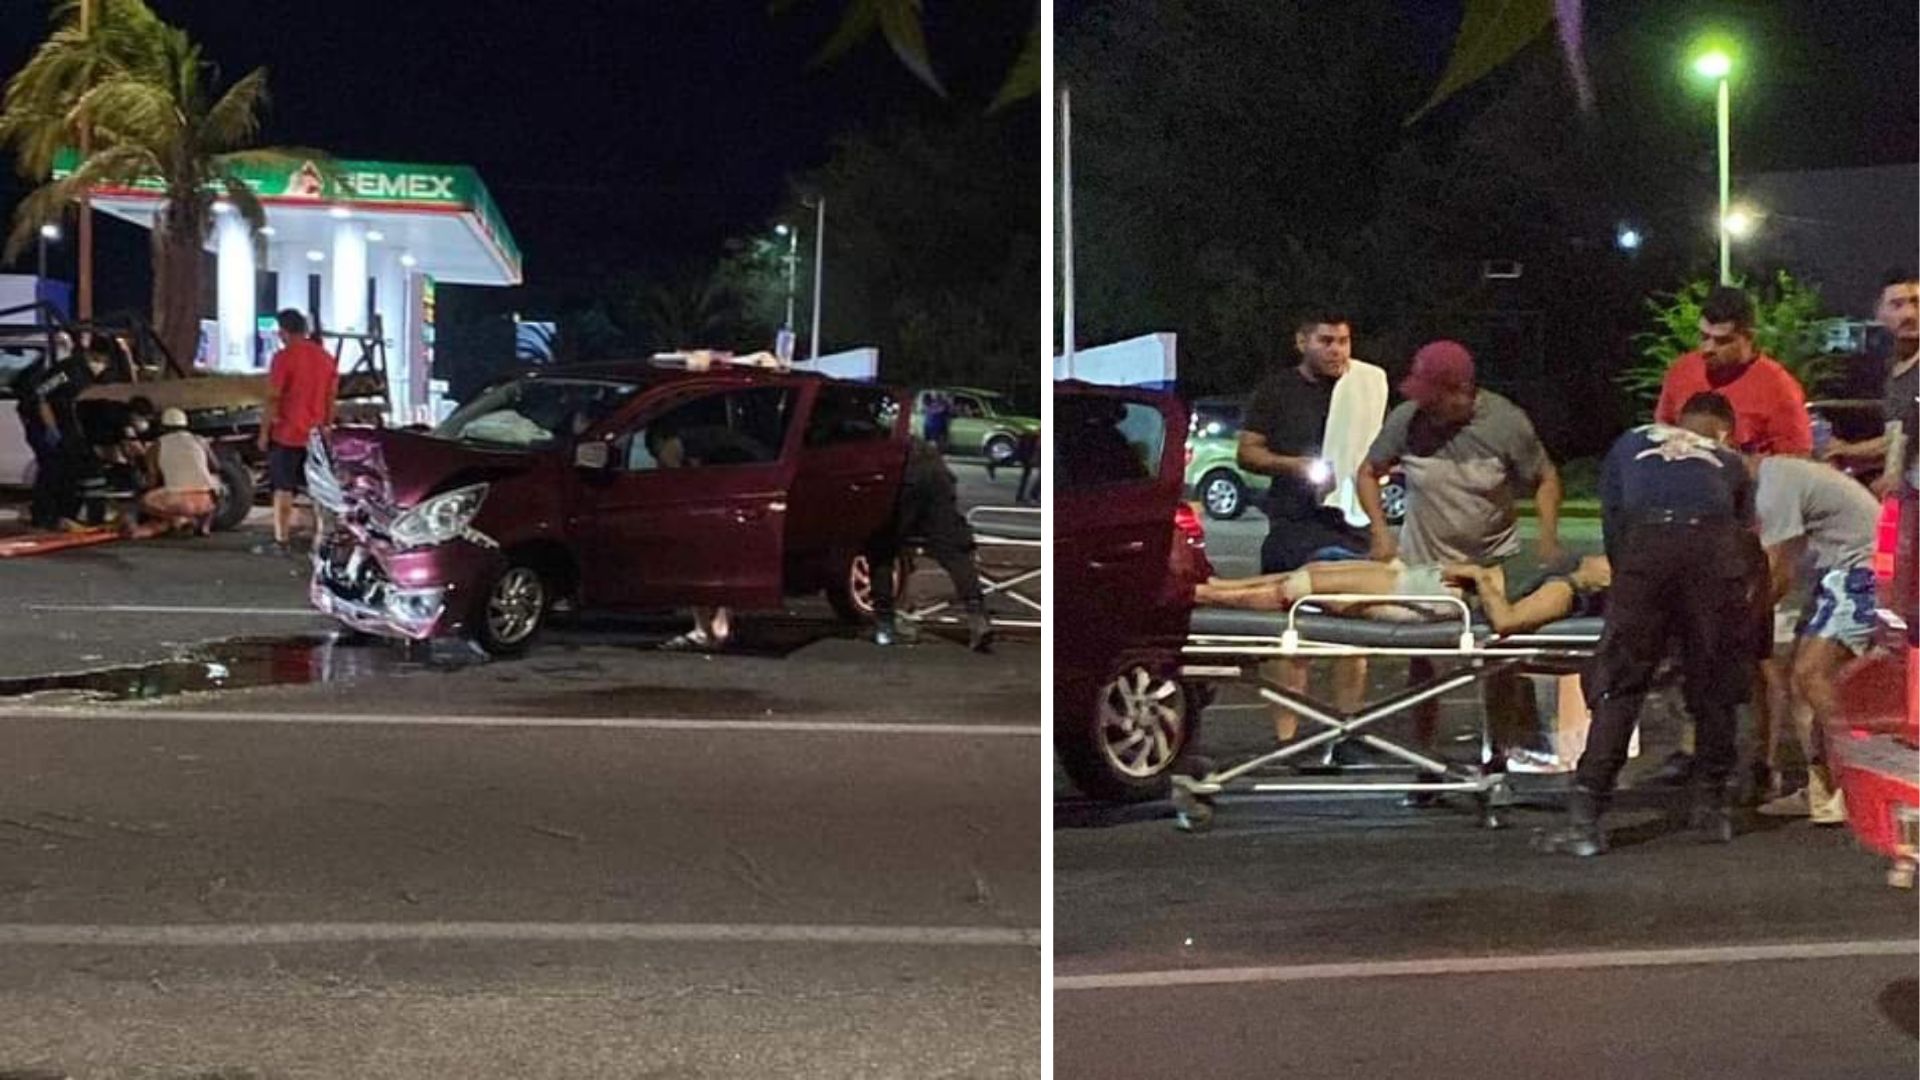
{"x":1769,"y":404}
{"x":301,"y":387}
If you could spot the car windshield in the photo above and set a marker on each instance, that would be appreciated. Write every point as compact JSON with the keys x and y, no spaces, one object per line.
{"x":528,"y":414}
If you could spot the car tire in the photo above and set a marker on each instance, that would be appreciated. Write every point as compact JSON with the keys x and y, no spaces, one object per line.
{"x":999,"y":449}
{"x":1222,"y":494}
{"x":512,"y":609}
{"x":1135,"y":702}
{"x":234,"y":501}
{"x":851,"y":594}
{"x":1393,"y":501}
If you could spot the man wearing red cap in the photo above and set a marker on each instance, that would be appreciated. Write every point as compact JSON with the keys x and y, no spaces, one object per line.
{"x":1466,"y":453}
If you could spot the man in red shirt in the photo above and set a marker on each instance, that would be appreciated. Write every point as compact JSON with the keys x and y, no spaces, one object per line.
{"x":1769,"y":405}
{"x":301,"y":387}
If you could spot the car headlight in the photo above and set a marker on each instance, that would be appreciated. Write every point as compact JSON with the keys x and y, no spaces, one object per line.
{"x":440,"y":518}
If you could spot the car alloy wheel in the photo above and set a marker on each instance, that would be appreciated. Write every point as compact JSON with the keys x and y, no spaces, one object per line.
{"x":1393,"y":501}
{"x":1143,"y":724}
{"x":1222,"y":495}
{"x":516,"y":605}
{"x":999,"y":450}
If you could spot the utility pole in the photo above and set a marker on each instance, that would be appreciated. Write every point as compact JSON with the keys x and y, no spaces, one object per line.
{"x":84,"y":267}
{"x":819,"y":257}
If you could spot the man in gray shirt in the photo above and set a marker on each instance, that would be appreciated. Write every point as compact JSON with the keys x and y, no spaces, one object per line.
{"x":1802,"y":504}
{"x":1465,"y":452}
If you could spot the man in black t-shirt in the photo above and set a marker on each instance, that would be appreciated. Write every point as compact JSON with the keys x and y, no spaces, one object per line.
{"x":1285,"y":437}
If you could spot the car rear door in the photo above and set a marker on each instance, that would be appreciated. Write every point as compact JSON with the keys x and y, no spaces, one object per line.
{"x":1117,"y":479}
{"x":665,"y":529}
{"x":852,"y":456}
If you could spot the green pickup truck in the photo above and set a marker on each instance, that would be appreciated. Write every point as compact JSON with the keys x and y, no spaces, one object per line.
{"x":982,"y":424}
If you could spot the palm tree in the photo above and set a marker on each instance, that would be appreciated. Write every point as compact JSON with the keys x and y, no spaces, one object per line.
{"x":151,"y":101}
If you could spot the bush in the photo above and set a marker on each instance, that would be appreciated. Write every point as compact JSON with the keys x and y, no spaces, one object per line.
{"x":1788,"y":326}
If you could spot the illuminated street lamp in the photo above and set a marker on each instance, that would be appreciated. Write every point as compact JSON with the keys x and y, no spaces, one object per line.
{"x":792,"y":259}
{"x":1738,"y":224}
{"x":1717,"y":64}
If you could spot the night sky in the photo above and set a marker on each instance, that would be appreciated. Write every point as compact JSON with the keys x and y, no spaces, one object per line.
{"x":640,"y":135}
{"x":614,"y":135}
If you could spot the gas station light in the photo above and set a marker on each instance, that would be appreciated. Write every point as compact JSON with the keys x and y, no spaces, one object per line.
{"x":49,"y":231}
{"x":374,"y":236}
{"x":339,"y":213}
{"x":268,"y":230}
{"x":222,"y":206}
{"x":315,"y":255}
{"x":408,"y":260}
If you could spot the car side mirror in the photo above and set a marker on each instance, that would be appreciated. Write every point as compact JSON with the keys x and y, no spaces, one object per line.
{"x":593,"y":454}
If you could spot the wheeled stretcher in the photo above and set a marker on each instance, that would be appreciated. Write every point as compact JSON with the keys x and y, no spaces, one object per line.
{"x":1010,"y":591}
{"x":1227,"y":645}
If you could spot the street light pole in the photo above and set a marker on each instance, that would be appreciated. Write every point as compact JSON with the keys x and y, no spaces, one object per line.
{"x":1726,"y":145}
{"x":793,"y":259}
{"x":819,"y":258}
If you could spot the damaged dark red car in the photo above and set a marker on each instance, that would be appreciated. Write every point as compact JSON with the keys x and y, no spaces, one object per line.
{"x":610,"y":487}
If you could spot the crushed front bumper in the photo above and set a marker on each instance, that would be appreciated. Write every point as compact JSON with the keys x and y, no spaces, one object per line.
{"x":414,"y":595}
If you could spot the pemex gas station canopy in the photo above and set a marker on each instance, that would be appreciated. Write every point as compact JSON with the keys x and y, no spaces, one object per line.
{"x":440,"y":217}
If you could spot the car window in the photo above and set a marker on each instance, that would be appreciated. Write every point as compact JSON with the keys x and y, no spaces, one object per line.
{"x":967,"y":408}
{"x":533,"y":413}
{"x":1103,"y":442}
{"x":733,"y":427}
{"x":1215,"y":421}
{"x":852,"y":414}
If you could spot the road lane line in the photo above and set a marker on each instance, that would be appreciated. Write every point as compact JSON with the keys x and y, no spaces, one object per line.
{"x":221,"y":935}
{"x":620,"y":723}
{"x":161,"y":609}
{"x":1488,"y":965}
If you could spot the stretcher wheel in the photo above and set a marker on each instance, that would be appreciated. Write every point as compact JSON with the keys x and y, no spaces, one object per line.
{"x":1194,"y":813}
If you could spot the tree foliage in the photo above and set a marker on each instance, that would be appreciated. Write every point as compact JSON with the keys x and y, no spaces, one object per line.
{"x":155,"y":110}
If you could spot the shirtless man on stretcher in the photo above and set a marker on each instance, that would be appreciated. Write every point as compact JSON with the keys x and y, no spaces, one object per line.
{"x":1567,"y":589}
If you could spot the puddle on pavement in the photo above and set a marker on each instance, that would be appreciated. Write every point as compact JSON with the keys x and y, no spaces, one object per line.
{"x":247,"y":663}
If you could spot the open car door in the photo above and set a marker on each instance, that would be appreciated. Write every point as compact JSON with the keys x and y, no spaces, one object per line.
{"x":691,"y":507}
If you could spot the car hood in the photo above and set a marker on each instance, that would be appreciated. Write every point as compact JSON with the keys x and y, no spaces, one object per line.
{"x":401,"y":468}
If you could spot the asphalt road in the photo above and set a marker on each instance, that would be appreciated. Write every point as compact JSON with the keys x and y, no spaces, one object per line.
{"x":251,"y":851}
{"x":1343,"y":937}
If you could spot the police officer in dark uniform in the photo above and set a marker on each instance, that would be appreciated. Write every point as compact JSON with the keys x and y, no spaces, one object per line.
{"x":69,"y":474}
{"x":1677,"y":519}
{"x":929,"y":511}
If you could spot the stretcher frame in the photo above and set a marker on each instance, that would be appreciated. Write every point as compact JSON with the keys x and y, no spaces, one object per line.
{"x":1025,"y":611}
{"x":1227,"y":658}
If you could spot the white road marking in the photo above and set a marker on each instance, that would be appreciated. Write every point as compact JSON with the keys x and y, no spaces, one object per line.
{"x":222,"y":935}
{"x":621,"y":723}
{"x":1488,"y":965}
{"x":160,"y":609}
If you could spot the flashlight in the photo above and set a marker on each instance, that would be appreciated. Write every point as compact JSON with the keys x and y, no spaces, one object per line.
{"x":1319,"y":472}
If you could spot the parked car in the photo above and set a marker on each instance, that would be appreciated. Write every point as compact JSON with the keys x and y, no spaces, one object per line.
{"x":982,"y":423}
{"x":1222,"y":488}
{"x":1127,"y":555}
{"x":1850,"y":420}
{"x":619,"y":486}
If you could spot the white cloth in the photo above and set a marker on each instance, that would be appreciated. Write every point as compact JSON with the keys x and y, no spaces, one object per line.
{"x":1354,"y":416}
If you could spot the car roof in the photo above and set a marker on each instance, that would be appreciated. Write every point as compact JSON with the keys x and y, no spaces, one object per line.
{"x":962,"y":390}
{"x":648,"y":373}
